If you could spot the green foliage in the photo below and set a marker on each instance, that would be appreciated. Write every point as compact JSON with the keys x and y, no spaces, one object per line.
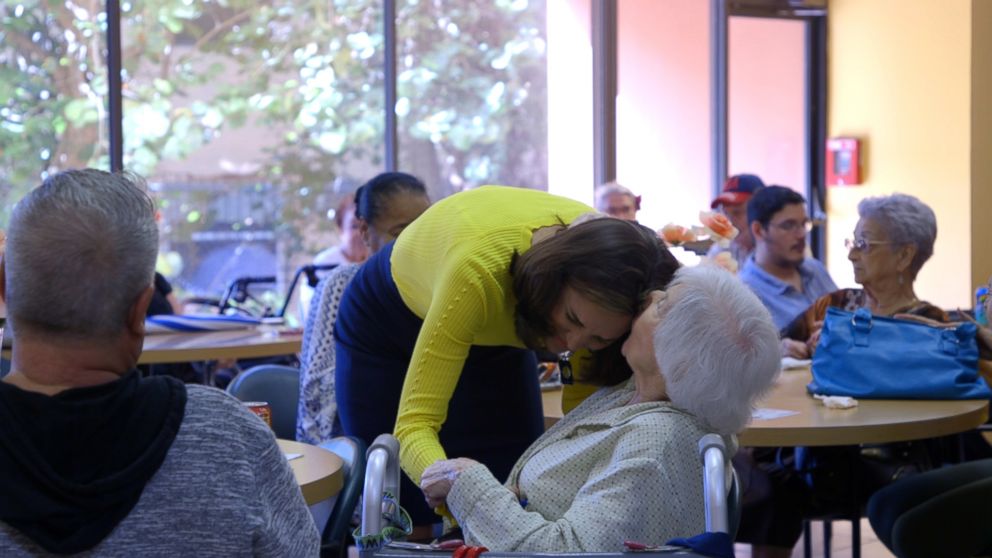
{"x":471,"y":90}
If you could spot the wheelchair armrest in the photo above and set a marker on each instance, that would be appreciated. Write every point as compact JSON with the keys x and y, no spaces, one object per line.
{"x":382,"y":475}
{"x":712,"y":451}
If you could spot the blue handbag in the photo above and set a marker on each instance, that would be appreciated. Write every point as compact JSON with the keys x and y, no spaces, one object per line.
{"x":873,"y":357}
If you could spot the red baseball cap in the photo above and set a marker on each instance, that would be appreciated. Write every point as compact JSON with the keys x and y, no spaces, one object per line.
{"x":738,"y":189}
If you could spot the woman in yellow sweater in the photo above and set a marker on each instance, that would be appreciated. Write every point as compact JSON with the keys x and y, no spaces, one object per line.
{"x":433,"y":332}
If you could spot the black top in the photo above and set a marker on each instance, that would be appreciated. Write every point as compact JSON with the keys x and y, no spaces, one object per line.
{"x":160,"y":304}
{"x":73,"y":465}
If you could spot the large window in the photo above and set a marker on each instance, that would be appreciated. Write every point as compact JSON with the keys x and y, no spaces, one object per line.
{"x":472,"y":93}
{"x":663,"y":107}
{"x":53,"y":92}
{"x":251,"y":120}
{"x":767,"y":100}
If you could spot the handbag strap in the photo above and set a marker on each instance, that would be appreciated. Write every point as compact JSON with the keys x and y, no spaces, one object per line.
{"x":950,"y":343}
{"x":861,"y":327}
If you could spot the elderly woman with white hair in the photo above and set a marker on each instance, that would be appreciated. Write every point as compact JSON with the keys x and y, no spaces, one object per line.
{"x":624,"y":464}
{"x":893,"y":239}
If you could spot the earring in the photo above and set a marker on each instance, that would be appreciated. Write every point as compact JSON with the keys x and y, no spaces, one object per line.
{"x":900,"y":279}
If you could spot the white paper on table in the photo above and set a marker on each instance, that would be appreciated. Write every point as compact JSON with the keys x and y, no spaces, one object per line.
{"x":789,"y":363}
{"x":292,"y":456}
{"x":837,"y":401}
{"x":765,"y":413}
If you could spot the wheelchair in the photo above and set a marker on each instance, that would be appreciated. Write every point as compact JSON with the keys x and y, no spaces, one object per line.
{"x":382,"y":478}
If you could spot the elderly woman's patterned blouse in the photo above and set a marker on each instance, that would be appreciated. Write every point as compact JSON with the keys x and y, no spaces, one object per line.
{"x":850,"y":300}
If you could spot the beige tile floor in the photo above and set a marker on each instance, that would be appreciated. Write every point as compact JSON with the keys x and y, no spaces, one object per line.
{"x":840,"y":546}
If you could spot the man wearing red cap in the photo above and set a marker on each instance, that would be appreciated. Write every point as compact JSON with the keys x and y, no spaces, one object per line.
{"x":732,"y":202}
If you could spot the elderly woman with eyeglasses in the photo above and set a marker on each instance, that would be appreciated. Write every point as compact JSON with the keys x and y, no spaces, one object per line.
{"x":893,"y":239}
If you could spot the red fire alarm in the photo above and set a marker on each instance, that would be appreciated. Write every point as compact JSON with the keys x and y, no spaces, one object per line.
{"x":843,"y":161}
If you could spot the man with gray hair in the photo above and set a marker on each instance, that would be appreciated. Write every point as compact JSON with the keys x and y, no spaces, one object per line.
{"x":94,"y":458}
{"x":617,"y":201}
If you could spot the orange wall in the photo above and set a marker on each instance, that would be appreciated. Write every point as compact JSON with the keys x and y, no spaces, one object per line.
{"x":766,"y":100}
{"x":663,"y":107}
{"x":900,"y":79}
{"x":663,"y":104}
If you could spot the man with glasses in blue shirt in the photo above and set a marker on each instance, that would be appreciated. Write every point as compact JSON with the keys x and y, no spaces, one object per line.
{"x":778,"y":271}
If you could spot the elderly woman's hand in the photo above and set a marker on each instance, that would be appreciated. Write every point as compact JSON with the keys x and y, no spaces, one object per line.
{"x":439,"y":477}
{"x":639,"y":347}
{"x":795,"y":349}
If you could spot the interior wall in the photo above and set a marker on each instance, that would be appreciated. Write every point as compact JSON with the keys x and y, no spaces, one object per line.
{"x":570,"y":134}
{"x":900,"y":79}
{"x":766,"y":90}
{"x":981,"y":142}
{"x":663,"y":107}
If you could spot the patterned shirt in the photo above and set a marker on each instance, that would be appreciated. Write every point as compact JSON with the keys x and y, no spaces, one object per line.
{"x":850,"y":300}
{"x":605,"y":473}
{"x":317,"y":412}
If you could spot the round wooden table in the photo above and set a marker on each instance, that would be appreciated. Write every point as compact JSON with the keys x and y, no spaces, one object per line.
{"x":318,"y":471}
{"x":164,"y":348}
{"x":872,"y":421}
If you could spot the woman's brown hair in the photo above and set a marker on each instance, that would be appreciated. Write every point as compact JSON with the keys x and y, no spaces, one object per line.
{"x":614,"y":263}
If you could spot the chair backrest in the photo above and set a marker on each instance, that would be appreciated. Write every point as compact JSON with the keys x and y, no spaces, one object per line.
{"x":277,"y":385}
{"x":351,"y":450}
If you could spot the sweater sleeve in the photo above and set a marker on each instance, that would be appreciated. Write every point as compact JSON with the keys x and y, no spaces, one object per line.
{"x":647,"y":498}
{"x":457,"y":312}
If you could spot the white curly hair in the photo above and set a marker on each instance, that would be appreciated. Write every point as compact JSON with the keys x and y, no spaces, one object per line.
{"x":716,"y":346}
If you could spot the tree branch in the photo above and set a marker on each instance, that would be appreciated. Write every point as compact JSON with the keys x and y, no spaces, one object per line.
{"x":210,"y":35}
{"x":22,"y":43}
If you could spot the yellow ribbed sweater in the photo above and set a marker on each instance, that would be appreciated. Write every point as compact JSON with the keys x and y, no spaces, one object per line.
{"x":452,"y":269}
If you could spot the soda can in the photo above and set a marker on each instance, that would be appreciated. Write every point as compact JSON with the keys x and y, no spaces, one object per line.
{"x":262,"y":409}
{"x":981,"y":298}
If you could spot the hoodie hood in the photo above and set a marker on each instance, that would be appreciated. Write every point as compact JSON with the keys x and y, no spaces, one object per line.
{"x":73,"y":465}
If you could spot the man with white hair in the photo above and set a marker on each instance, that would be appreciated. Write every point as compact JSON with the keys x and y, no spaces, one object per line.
{"x":617,"y":201}
{"x":623,"y":465}
{"x":94,"y":458}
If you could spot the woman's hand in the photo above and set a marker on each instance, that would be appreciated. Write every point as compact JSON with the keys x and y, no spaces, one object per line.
{"x":638,"y":349}
{"x":439,"y":477}
{"x":795,"y":349}
{"x":814,"y":338}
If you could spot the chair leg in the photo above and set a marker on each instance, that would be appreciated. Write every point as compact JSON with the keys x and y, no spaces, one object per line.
{"x":856,"y":537}
{"x":807,"y":539}
{"x":828,"y":535}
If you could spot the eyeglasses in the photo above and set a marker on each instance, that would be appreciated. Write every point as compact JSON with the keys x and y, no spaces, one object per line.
{"x":793,"y":225}
{"x":862,"y":244}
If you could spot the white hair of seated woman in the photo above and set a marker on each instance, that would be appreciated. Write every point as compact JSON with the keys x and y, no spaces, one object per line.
{"x":717,"y":347}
